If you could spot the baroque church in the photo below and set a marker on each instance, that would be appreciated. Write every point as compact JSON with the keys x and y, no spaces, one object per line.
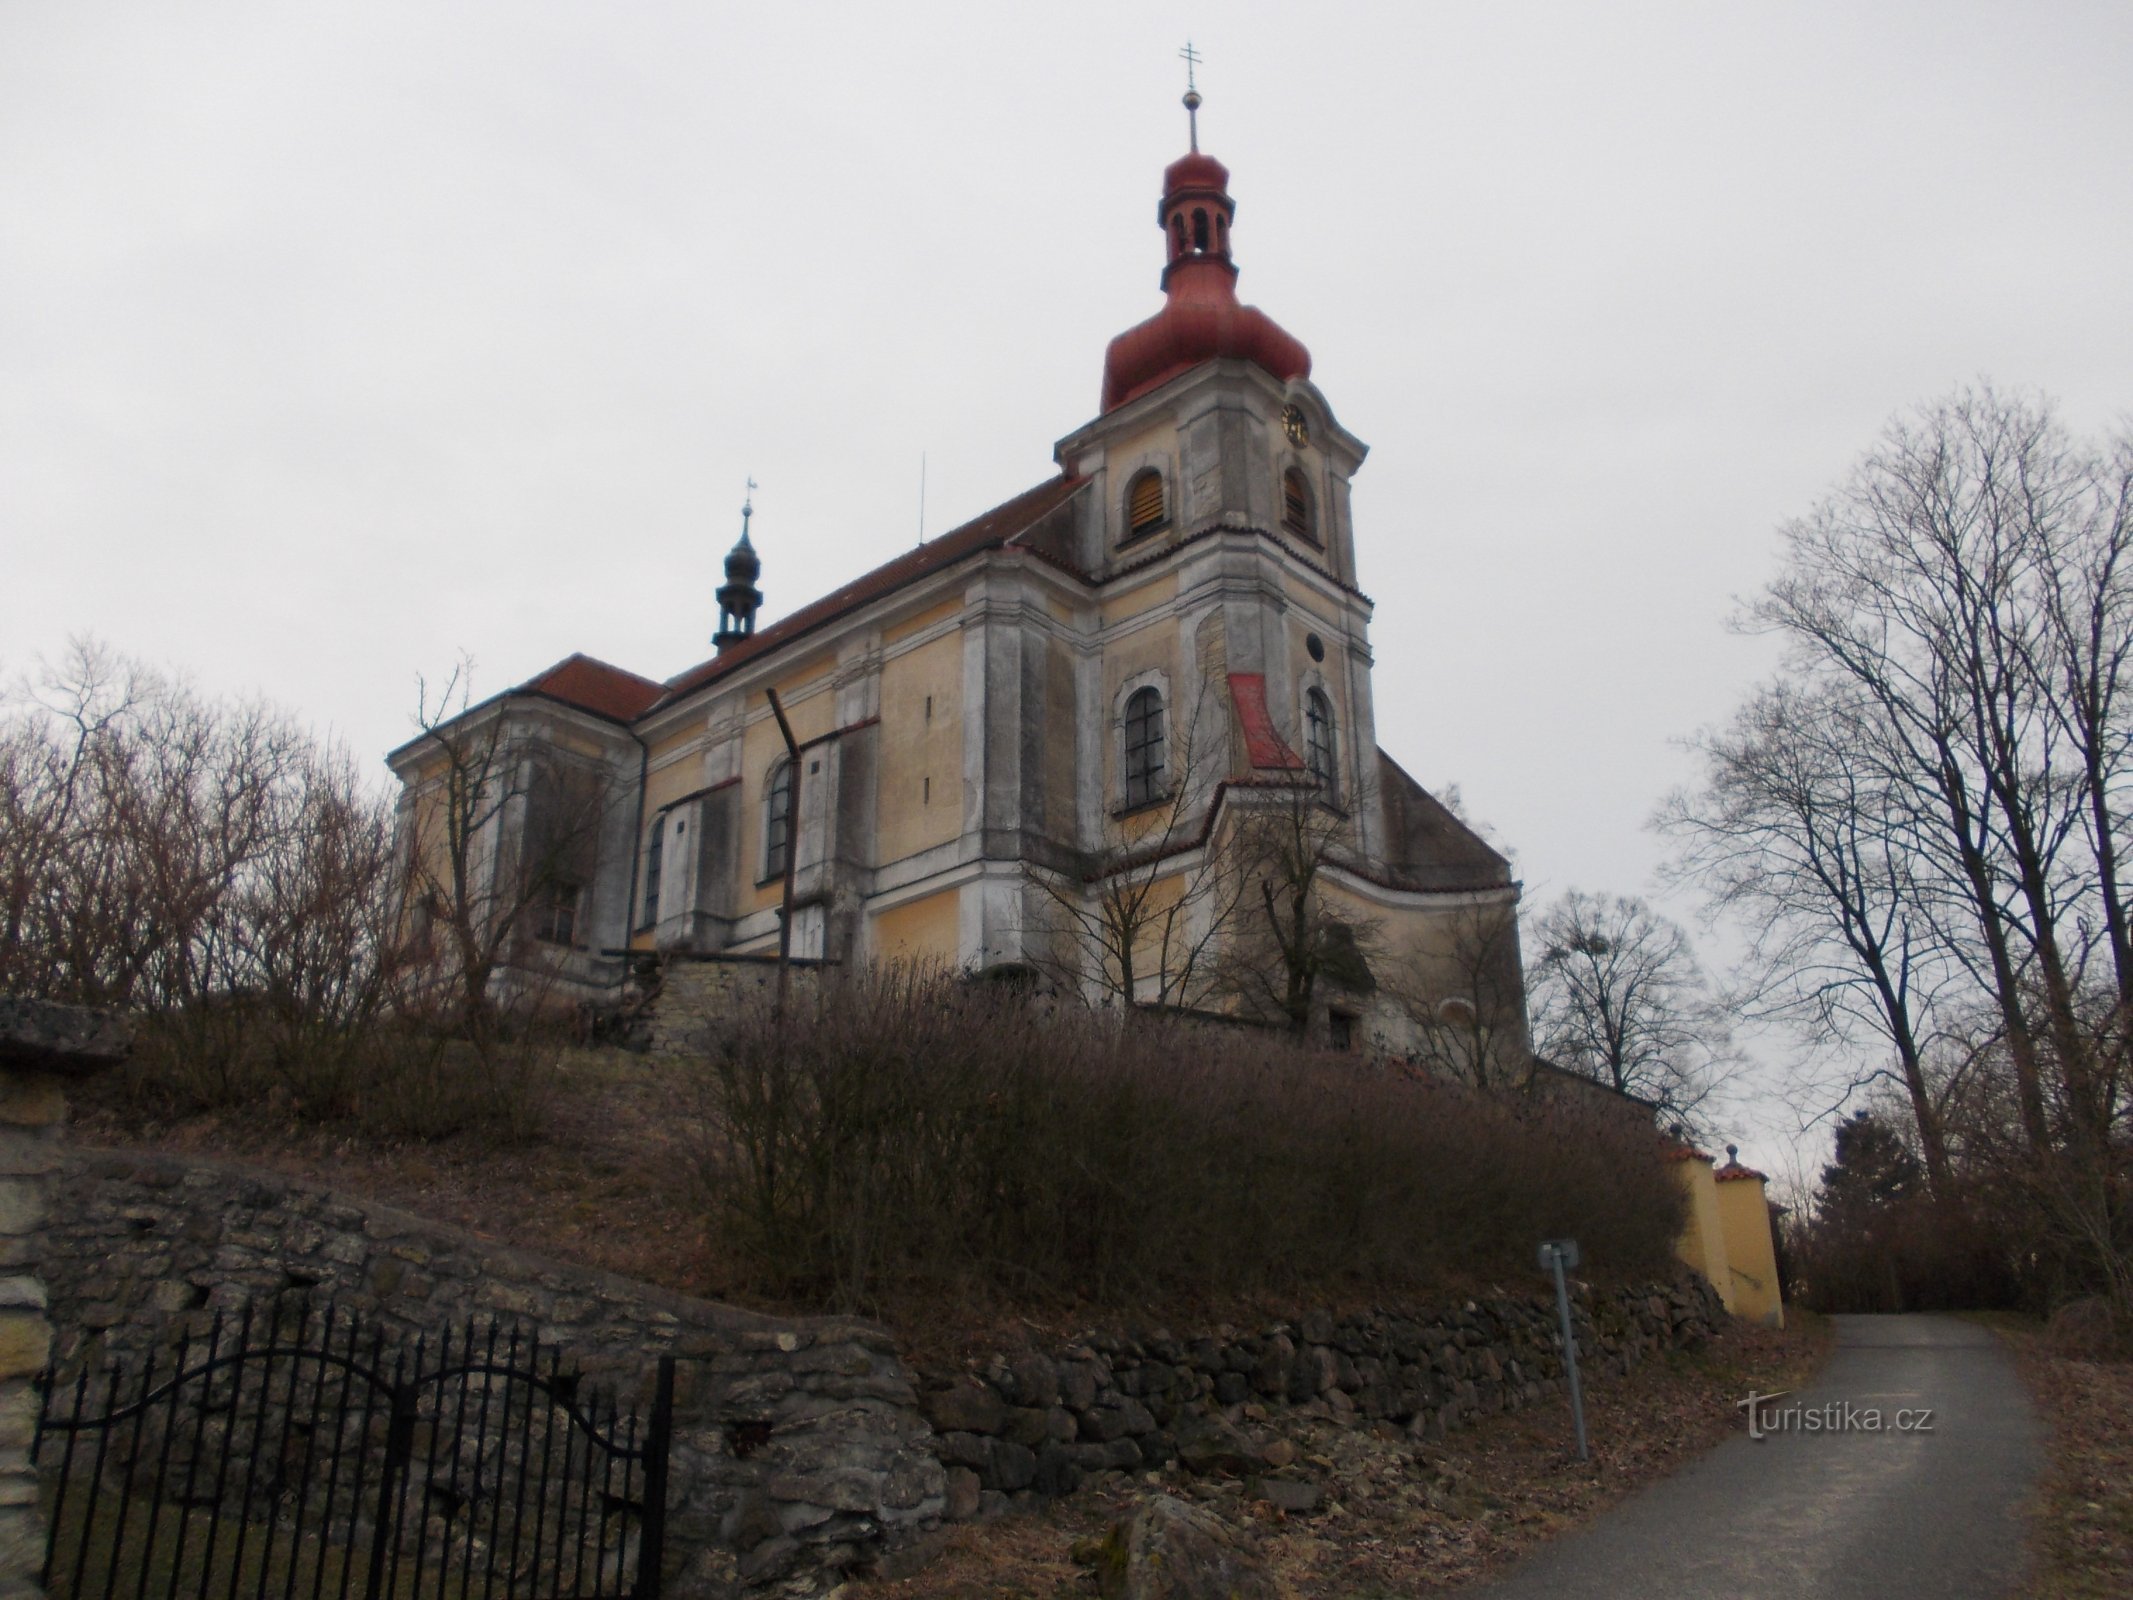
{"x":1102,"y":678}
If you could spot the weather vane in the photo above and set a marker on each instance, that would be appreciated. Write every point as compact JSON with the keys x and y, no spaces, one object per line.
{"x":1192,"y":59}
{"x":747,"y":507}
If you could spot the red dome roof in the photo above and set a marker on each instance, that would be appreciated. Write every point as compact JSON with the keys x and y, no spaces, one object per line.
{"x":1201,"y":319}
{"x":1195,"y":171}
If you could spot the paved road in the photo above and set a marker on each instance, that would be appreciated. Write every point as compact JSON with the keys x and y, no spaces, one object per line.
{"x":1827,"y":1516}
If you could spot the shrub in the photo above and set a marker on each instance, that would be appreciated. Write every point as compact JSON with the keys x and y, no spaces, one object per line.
{"x":904,"y":1129}
{"x":404,"y":1076}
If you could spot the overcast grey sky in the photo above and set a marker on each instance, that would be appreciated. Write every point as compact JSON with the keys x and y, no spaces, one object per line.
{"x":337,"y":338}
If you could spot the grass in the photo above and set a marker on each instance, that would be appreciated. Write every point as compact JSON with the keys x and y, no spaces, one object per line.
{"x":2081,"y":1519}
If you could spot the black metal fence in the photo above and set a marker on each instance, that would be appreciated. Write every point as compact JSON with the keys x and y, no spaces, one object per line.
{"x":307,"y":1459}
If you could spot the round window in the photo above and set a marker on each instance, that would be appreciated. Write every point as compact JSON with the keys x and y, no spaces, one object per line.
{"x":1316,"y":645}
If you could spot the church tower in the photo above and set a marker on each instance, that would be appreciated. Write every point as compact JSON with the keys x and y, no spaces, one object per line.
{"x":1216,"y":459}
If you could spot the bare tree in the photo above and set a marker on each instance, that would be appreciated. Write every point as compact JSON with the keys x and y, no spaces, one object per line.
{"x":1140,"y":922}
{"x":500,"y":826}
{"x":1619,"y":997}
{"x":1939,"y":777}
{"x":1792,"y":831}
{"x":131,"y":810}
{"x":1288,"y":939}
{"x":1464,"y":996}
{"x":1968,"y":584}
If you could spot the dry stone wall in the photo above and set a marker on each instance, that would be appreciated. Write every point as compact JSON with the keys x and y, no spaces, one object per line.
{"x":1043,"y":1422}
{"x":804,"y":1446}
{"x":698,"y":993}
{"x":798,"y":1444}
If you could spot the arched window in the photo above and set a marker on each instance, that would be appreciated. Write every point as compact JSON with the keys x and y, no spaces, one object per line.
{"x":1144,"y":747}
{"x":654,"y":857}
{"x":1318,"y":737}
{"x":1296,"y":505}
{"x":1146,"y":506}
{"x":777,"y":820}
{"x":1199,"y":231}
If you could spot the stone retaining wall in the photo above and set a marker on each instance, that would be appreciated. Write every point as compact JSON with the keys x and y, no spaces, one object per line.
{"x":803,"y":1446}
{"x":698,"y":993}
{"x":1043,"y":1421}
{"x":798,"y":1441}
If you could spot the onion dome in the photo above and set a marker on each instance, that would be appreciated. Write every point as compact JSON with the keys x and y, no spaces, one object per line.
{"x":1201,"y":318}
{"x":738,"y":597}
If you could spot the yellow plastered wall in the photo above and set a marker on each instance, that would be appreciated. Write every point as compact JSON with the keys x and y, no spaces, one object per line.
{"x":921,"y":773}
{"x":922,"y":930}
{"x":1160,"y":940}
{"x":1751,"y":1255}
{"x":1130,"y":603}
{"x":761,"y":747}
{"x":667,"y":780}
{"x":1703,"y":1242}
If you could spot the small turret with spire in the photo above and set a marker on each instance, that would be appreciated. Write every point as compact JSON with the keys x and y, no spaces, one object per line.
{"x":738,"y":597}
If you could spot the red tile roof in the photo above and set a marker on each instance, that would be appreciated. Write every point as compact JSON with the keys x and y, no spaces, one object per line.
{"x":1734,"y":1172}
{"x":999,"y":526}
{"x":593,"y":685}
{"x":1247,"y":691}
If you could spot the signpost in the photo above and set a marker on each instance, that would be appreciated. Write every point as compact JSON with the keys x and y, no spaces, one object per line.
{"x":1559,"y":1256}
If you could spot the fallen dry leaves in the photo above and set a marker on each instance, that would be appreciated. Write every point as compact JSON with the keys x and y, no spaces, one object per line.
{"x":1399,"y":1517}
{"x":2081,"y":1522}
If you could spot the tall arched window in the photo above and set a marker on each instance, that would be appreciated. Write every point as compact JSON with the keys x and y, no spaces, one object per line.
{"x":1144,"y":747}
{"x":1296,"y":506}
{"x":1146,"y":507}
{"x":777,"y":820}
{"x":1318,"y":738}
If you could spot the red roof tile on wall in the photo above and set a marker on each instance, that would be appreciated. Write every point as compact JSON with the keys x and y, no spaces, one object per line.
{"x":1247,"y":690}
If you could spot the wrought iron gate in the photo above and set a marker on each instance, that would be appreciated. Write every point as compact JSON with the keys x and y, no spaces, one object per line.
{"x":309,"y":1460}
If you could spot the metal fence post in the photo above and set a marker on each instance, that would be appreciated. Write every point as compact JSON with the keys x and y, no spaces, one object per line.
{"x":658,"y":1439}
{"x":1555,"y":1255}
{"x":399,"y":1449}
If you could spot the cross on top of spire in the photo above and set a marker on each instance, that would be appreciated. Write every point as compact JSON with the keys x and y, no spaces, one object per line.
{"x":1192,"y":59}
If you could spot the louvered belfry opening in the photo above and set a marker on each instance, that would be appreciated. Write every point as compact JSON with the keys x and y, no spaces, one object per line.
{"x":1145,"y":510}
{"x":1296,"y":505}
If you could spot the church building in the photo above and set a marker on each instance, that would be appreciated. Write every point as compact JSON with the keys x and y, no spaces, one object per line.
{"x":1105,"y":678}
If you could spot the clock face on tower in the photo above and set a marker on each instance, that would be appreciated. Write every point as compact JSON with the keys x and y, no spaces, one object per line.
{"x":1294,"y":425}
